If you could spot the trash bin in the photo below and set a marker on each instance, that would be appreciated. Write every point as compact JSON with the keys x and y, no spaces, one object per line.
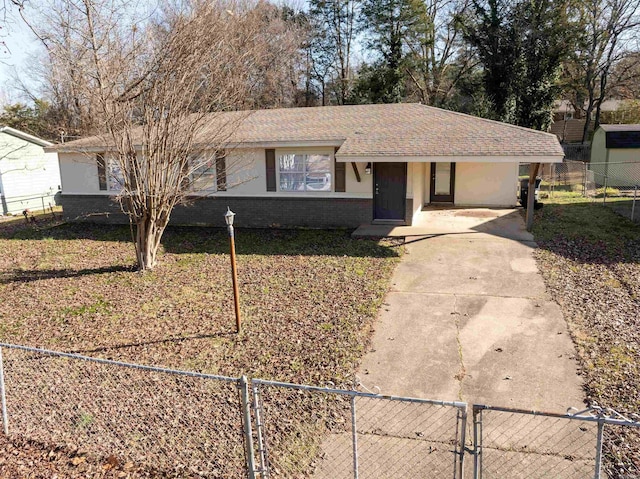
{"x":524,"y":192}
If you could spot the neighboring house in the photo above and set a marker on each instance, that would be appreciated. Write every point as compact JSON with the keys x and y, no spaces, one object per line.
{"x":615,"y":155}
{"x":568,"y":124}
{"x":334,"y":166}
{"x":29,"y":177}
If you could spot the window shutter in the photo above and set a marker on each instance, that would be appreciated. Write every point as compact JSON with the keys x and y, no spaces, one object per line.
{"x":270,"y":158}
{"x":102,"y":172}
{"x":341,"y":174}
{"x":221,"y":171}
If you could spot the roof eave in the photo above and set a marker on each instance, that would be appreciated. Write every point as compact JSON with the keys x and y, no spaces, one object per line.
{"x":25,"y":136}
{"x":450,"y":158}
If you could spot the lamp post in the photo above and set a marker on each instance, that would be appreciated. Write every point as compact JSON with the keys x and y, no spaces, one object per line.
{"x":228,"y":218}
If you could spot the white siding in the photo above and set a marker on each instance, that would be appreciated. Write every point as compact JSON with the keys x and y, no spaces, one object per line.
{"x":246,"y":175}
{"x":365,"y":186}
{"x":486,"y":184}
{"x":29,"y":175}
{"x":418,"y":187}
{"x":246,"y":172}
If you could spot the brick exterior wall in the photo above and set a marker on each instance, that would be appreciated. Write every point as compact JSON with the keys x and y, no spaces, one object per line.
{"x":258,"y":212}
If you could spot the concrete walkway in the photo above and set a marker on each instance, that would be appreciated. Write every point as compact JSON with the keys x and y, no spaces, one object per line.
{"x":468,"y":319}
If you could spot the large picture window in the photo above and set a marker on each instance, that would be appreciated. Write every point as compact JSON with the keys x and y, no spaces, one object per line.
{"x":305,"y":172}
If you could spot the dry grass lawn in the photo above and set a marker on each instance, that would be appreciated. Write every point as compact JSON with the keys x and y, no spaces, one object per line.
{"x":308,"y":301}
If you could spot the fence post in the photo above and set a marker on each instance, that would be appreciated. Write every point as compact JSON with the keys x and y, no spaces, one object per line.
{"x":462,"y":414}
{"x":584,"y":187}
{"x":599,"y":447}
{"x":604,"y":194}
{"x":3,"y":398}
{"x":354,"y":434}
{"x":477,"y":443}
{"x":262,"y":445}
{"x":246,"y":415}
{"x":633,"y":205}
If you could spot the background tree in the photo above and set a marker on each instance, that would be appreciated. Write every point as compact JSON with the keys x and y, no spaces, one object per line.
{"x":386,"y":25}
{"x":608,"y":32}
{"x":521,"y":47}
{"x":490,"y":32}
{"x":334,"y":23}
{"x":436,"y":60}
{"x":36,"y":120}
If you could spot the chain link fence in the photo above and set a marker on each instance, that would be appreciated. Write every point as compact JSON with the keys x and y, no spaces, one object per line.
{"x":306,"y":431}
{"x":577,"y":151}
{"x":169,"y":423}
{"x":162,"y":421}
{"x":529,"y":444}
{"x":616,"y":185}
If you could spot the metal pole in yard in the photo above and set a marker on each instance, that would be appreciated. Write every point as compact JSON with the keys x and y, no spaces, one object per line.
{"x":246,"y":416}
{"x":633,"y":205}
{"x":604,"y":194}
{"x":3,"y":398}
{"x":228,"y":217}
{"x":354,"y":434}
{"x":598,"y":467}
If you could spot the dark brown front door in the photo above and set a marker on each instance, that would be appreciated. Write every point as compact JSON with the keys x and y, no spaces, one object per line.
{"x":389,"y":191}
{"x":443,"y":178}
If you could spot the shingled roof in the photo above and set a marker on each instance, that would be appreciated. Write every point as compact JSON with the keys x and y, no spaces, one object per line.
{"x":370,"y":131}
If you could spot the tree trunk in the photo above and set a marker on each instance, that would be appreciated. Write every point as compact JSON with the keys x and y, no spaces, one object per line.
{"x":148,"y":236}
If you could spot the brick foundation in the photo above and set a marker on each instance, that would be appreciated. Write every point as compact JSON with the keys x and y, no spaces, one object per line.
{"x":257,"y":212}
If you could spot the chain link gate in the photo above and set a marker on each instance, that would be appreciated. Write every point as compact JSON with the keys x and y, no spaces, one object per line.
{"x":517,"y":443}
{"x":306,"y":431}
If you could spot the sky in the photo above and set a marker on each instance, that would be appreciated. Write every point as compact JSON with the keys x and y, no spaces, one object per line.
{"x":17,"y":53}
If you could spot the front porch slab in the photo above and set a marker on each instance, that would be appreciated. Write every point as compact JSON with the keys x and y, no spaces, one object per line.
{"x":459,"y":221}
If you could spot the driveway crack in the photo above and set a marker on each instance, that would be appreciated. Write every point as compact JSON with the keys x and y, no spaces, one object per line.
{"x":462,"y":372}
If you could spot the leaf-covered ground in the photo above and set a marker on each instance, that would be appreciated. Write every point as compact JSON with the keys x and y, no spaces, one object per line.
{"x":308,"y":300}
{"x":590,"y":260}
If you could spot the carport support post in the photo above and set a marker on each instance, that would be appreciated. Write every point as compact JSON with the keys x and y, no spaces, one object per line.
{"x":531,"y":196}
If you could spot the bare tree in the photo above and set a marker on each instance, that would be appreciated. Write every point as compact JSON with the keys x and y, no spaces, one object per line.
{"x":436,"y":61}
{"x":337,"y":20}
{"x":606,"y":30}
{"x":155,"y":87}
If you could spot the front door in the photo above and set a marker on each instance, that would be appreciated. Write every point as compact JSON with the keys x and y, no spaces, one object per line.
{"x":443,"y":177}
{"x":389,"y":191}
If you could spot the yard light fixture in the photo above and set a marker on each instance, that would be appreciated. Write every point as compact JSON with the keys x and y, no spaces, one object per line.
{"x":367,"y":169}
{"x":228,"y":218}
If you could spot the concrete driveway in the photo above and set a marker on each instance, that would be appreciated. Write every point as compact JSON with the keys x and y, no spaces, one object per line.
{"x":468,"y":318}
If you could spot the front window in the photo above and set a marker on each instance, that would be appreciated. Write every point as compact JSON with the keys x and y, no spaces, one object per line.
{"x":305,"y":172}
